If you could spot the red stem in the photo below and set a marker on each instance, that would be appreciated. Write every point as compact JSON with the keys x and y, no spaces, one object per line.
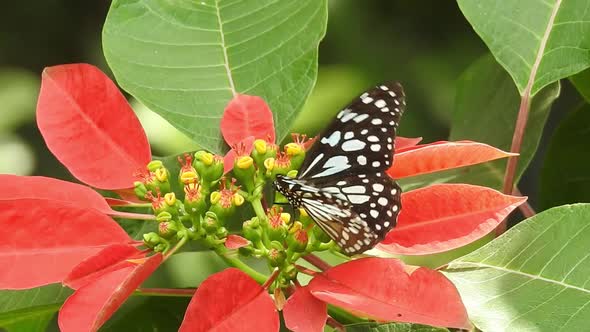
{"x":526,"y":208}
{"x":317,"y":262}
{"x":335,"y":324}
{"x":270,"y":279}
{"x":521,"y":120}
{"x":166,"y":291}
{"x":305,"y":270}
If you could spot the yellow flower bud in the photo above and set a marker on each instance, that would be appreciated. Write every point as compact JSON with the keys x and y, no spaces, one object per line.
{"x":188,"y":177}
{"x":303,"y":213}
{"x":260,"y":146}
{"x":170,"y":198}
{"x":207,"y":158}
{"x":286,"y":218}
{"x":293,"y":149}
{"x":245,"y":162}
{"x":215,"y":197}
{"x":269,"y":163}
{"x":161,"y":174}
{"x":296,"y":227}
{"x":292,"y":173}
{"x":238,"y":199}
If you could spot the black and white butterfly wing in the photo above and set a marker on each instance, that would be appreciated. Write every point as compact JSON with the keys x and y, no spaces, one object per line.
{"x":361,"y":137}
{"x":342,"y":184}
{"x":356,"y":211}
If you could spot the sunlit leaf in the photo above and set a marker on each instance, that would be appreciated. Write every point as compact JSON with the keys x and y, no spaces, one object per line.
{"x":537,"y":41}
{"x":187,"y":62}
{"x":455,"y":215}
{"x":534,"y":277}
{"x":89,"y":126}
{"x":30,"y":310}
{"x":387,"y":290}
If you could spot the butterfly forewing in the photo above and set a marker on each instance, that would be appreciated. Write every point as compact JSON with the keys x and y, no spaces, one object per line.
{"x":361,"y":137}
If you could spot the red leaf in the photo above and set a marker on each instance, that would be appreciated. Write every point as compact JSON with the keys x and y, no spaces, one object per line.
{"x":247,"y":116}
{"x":42,"y":188}
{"x":404,"y":143}
{"x":233,"y":302}
{"x":94,"y":303}
{"x":438,"y":156}
{"x":107,"y":260}
{"x":446,"y":216}
{"x":305,"y":313}
{"x":89,"y":126}
{"x":230,"y":157}
{"x":235,"y":241}
{"x":43,"y":240}
{"x":381,"y":288}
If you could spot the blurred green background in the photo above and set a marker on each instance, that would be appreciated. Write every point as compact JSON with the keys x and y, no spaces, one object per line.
{"x":426,"y":45}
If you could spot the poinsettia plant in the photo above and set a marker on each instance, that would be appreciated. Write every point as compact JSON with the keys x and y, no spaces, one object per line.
{"x":232,"y":76}
{"x":66,"y":231}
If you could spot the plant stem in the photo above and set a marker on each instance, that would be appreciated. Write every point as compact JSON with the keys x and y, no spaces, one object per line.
{"x":526,"y":208}
{"x":271,"y":279}
{"x":176,"y":247}
{"x":335,"y":324}
{"x":521,"y":120}
{"x":305,"y":270}
{"x":343,"y":316}
{"x":130,"y":215}
{"x":258,"y":209}
{"x":236,"y":262}
{"x":317,"y":262}
{"x":172,"y":292}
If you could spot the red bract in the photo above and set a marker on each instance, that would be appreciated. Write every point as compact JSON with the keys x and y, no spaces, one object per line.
{"x":94,"y":303}
{"x":247,"y":116}
{"x":438,"y":156}
{"x":304,"y":313}
{"x":456,"y":215}
{"x":89,"y":126}
{"x":404,"y":142}
{"x":230,"y":157}
{"x":43,"y":240}
{"x":109,"y":259}
{"x":235,"y":241}
{"x":383,"y":289}
{"x":230,"y":301}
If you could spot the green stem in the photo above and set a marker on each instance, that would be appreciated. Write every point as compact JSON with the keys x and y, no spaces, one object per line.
{"x":236,"y":262}
{"x":343,"y":316}
{"x":258,"y":209}
{"x":176,"y":247}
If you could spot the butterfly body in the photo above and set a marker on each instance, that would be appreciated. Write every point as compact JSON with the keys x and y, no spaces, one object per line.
{"x":342,"y":184}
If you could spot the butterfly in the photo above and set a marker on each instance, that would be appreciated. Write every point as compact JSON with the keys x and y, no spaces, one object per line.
{"x":342,"y":184}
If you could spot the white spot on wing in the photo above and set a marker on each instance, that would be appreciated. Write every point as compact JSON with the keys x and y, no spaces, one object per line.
{"x":353,"y":145}
{"x":333,"y":139}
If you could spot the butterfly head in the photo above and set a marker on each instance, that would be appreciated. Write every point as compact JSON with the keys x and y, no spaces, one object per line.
{"x":288,"y":187}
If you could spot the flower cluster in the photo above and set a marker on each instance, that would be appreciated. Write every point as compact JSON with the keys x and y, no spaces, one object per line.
{"x":226,"y":203}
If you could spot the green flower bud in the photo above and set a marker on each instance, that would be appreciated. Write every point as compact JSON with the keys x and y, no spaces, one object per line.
{"x":167,"y":229}
{"x":161,"y":247}
{"x":252,"y":230}
{"x":320,"y":235}
{"x":140,"y":190}
{"x":154,"y":165}
{"x":195,"y":202}
{"x":276,"y":226}
{"x":290,"y":272}
{"x":210,"y":223}
{"x":244,"y":171}
{"x":276,"y":254}
{"x":296,"y":153}
{"x":151,"y":239}
{"x":164,"y":216}
{"x":221,"y":233}
{"x":297,"y":238}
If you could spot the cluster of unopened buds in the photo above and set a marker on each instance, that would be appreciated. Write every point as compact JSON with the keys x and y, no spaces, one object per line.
{"x":206,"y":209}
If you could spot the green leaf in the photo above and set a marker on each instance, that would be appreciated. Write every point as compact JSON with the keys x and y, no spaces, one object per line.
{"x":534,"y":277}
{"x":582,"y":83}
{"x":32,"y":309}
{"x":488,"y":115}
{"x":185,"y":60}
{"x":564,"y":176}
{"x":393,"y":327}
{"x":537,"y":41}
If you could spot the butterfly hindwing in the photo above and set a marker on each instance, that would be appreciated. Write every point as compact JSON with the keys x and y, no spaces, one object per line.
{"x":362,"y":135}
{"x":357,"y":211}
